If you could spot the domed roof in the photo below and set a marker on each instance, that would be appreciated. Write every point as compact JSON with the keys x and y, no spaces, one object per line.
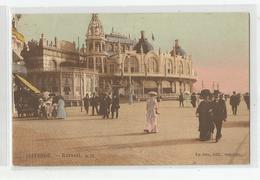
{"x":180,"y":51}
{"x":95,"y":27}
{"x":143,"y":44}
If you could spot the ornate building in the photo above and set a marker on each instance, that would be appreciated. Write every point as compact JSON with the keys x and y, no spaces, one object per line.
{"x":104,"y":62}
{"x":17,"y":46}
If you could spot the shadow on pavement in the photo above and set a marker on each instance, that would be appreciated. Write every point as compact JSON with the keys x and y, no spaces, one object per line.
{"x":140,"y":144}
{"x":235,"y":124}
{"x":83,"y":137}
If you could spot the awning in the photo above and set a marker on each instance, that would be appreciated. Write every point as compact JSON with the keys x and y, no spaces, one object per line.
{"x":27,"y":84}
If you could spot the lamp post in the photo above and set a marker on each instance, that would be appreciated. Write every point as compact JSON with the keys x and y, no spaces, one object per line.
{"x":130,"y":82}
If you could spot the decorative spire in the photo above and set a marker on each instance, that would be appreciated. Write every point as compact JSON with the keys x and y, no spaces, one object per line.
{"x":95,"y":27}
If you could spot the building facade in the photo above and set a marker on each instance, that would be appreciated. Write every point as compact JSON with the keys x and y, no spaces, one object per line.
{"x":104,"y":62}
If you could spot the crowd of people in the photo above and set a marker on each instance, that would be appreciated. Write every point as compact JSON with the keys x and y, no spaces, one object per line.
{"x":211,"y":111}
{"x":210,"y":107}
{"x":52,"y":107}
{"x":102,"y":105}
{"x":44,"y":106}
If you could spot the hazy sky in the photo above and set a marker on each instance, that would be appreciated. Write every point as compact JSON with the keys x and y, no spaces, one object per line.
{"x":218,"y":42}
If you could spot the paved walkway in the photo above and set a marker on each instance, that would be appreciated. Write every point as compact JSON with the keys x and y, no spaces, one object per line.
{"x":90,"y":140}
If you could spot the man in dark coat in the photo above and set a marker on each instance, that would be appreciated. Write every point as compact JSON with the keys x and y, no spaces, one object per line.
{"x":86,"y":101}
{"x":219,"y":112}
{"x":94,"y":103}
{"x":204,"y":113}
{"x":115,"y":106}
{"x":106,"y":102}
{"x":181,"y":99}
{"x":247,"y":100}
{"x":234,"y":102}
{"x":193,"y":99}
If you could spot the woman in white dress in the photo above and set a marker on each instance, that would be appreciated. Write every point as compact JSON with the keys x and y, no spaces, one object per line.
{"x":61,"y":113}
{"x":152,"y":111}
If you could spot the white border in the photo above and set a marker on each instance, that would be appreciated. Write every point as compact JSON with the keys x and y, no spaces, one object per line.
{"x":4,"y":90}
{"x":158,"y":172}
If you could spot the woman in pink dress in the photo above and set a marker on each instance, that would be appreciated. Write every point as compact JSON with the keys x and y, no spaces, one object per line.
{"x":152,"y":111}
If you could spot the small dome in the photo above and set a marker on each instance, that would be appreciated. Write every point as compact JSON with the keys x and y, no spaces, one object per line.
{"x":180,"y":51}
{"x":143,"y":43}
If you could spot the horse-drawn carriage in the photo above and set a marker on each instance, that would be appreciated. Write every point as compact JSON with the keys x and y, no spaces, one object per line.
{"x":30,"y":102}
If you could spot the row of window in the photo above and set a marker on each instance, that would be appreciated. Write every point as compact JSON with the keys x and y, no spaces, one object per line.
{"x":131,"y":65}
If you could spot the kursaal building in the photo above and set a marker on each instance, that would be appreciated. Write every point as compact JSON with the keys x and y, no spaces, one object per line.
{"x":106,"y":63}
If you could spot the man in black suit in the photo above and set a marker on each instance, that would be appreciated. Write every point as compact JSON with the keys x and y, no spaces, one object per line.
{"x":219,"y":111}
{"x":234,"y":102}
{"x":247,"y":100}
{"x":94,"y":103}
{"x":181,"y":99}
{"x":115,"y":106}
{"x":106,"y":101}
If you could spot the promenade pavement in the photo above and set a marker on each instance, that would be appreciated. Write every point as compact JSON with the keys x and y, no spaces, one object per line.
{"x":83,"y":139}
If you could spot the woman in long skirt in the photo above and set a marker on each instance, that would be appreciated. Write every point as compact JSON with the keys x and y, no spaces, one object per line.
{"x":61,"y":113}
{"x":152,"y":112}
{"x":203,"y":112}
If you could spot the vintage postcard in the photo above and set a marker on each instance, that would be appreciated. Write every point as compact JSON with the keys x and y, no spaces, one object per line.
{"x":131,"y":89}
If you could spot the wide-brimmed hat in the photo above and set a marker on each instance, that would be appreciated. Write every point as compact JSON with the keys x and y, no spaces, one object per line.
{"x":204,"y":93}
{"x":152,"y":93}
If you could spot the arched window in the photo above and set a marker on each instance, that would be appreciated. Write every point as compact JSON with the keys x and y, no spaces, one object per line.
{"x":97,"y":48}
{"x":169,"y":67}
{"x":53,"y":65}
{"x":103,"y":46}
{"x":112,"y":68}
{"x":90,"y":63}
{"x":188,"y":68}
{"x":174,"y":67}
{"x":105,"y":64}
{"x":109,"y":47}
{"x":181,"y":68}
{"x":152,"y":65}
{"x":98,"y":64}
{"x":90,"y":46}
{"x":131,"y":64}
{"x":115,"y":47}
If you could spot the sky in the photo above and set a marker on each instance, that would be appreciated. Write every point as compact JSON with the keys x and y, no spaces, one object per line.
{"x":217,"y":42}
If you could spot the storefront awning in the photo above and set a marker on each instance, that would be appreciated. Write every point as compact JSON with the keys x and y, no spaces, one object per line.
{"x":27,"y":84}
